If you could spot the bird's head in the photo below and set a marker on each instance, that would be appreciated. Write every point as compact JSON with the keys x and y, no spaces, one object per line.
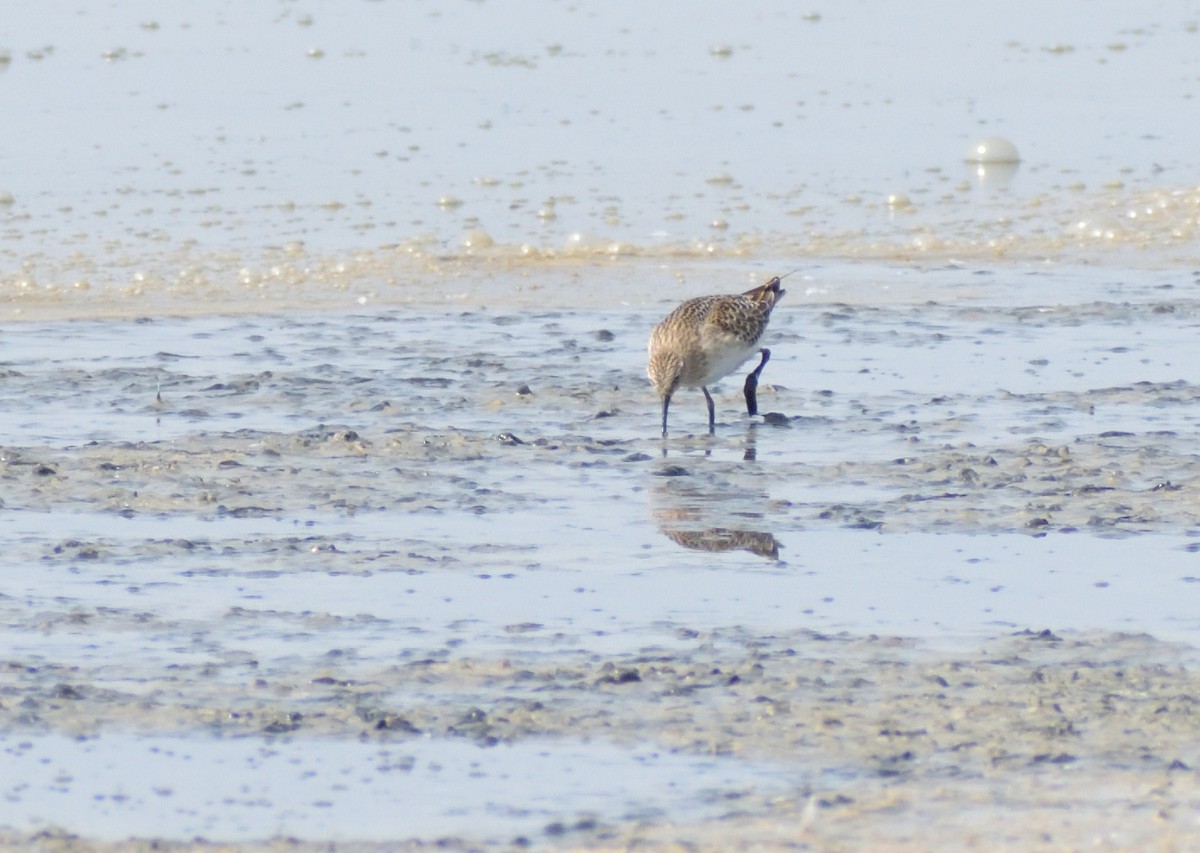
{"x":664,"y":369}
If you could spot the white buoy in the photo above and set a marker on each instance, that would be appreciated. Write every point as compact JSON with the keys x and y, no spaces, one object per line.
{"x":992,"y":149}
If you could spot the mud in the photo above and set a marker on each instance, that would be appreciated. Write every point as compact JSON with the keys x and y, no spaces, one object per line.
{"x":946,"y":581}
{"x":858,"y":741}
{"x":333,"y":511}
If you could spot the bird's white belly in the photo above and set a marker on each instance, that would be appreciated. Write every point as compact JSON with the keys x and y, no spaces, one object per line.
{"x":722,"y":356}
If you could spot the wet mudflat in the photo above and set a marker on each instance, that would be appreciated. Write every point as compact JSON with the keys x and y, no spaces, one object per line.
{"x":333,"y":510}
{"x":411,"y":575}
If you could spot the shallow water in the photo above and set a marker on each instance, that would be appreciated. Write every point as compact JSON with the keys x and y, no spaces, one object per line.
{"x":164,"y":155}
{"x":325,"y":437}
{"x":270,"y":523}
{"x":121,"y":786}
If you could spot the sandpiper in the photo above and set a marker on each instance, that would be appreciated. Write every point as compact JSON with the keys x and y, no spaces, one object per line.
{"x":707,"y":338}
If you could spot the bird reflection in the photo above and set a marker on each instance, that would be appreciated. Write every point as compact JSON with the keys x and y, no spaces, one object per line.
{"x":723,"y":539}
{"x":713,"y":512}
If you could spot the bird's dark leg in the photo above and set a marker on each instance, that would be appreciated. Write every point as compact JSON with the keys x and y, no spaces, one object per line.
{"x":751,"y":386}
{"x":712,"y":417}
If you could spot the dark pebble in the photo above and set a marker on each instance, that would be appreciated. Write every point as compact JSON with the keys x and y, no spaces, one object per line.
{"x":673,"y":471}
{"x":620,"y":676}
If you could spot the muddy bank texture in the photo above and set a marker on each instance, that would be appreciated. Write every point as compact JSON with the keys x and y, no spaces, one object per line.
{"x":392,"y":528}
{"x":1091,"y":741}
